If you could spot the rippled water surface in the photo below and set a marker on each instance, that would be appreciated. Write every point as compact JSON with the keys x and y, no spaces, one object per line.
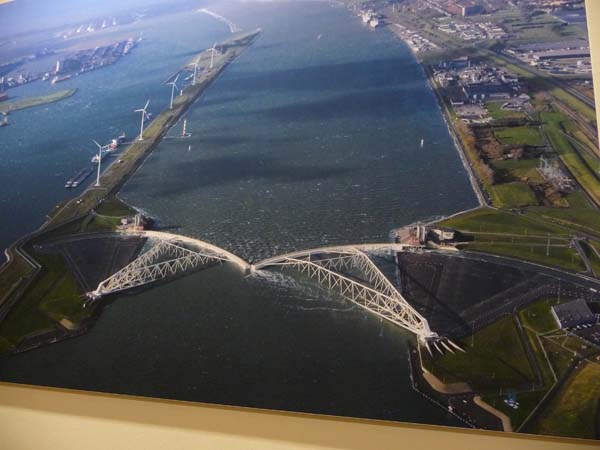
{"x":310,"y":138}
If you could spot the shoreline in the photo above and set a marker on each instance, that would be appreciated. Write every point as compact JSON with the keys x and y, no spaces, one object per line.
{"x":112,"y":181}
{"x":8,"y":106}
{"x":472,"y":175}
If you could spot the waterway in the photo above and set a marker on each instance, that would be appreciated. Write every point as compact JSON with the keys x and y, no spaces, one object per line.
{"x":310,"y":138}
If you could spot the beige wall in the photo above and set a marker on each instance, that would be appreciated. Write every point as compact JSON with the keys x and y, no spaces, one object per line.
{"x":37,"y":418}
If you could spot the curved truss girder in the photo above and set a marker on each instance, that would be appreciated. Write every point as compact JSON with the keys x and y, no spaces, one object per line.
{"x":379,"y":297}
{"x":151,"y":267}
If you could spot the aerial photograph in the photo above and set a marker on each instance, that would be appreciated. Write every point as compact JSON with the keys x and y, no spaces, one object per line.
{"x":375,"y":209}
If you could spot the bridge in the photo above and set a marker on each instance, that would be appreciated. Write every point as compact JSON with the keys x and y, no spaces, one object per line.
{"x":346,"y":269}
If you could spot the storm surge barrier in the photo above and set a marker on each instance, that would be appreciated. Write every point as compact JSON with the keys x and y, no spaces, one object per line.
{"x":170,"y":256}
{"x":349,"y":271}
{"x":345,"y":269}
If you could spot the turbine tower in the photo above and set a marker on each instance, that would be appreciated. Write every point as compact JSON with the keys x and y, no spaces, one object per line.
{"x":173,"y":86}
{"x":99,"y":163}
{"x":212,"y":55}
{"x":144,"y":117}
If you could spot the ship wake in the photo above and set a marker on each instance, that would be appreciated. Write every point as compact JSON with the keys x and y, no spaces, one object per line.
{"x":232,"y":26}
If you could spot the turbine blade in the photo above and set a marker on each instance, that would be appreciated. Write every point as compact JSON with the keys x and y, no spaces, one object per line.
{"x":147,"y":103}
{"x":99,"y":146}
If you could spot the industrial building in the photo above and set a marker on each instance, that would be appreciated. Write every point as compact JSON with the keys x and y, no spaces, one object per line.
{"x":464,"y":8}
{"x":573,"y":314}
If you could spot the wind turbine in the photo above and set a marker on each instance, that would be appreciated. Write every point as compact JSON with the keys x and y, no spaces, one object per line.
{"x":195,"y":71}
{"x":173,"y":86}
{"x":212,"y":55}
{"x":99,"y":163}
{"x":144,"y":117}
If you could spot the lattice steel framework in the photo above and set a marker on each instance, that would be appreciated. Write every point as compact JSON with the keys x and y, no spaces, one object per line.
{"x":165,"y":259}
{"x":376,"y":293}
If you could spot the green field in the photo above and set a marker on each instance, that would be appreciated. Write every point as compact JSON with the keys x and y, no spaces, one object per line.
{"x":592,"y":255}
{"x":523,"y":135}
{"x":560,"y":359}
{"x":12,"y":274}
{"x":15,"y":105}
{"x":539,"y":316}
{"x":55,"y":294}
{"x":518,"y":169}
{"x":114,"y":207}
{"x":595,"y":260}
{"x":575,"y":104}
{"x":580,"y":215}
{"x":559,"y":256}
{"x":512,"y":195}
{"x":494,"y":359}
{"x":527,"y":401}
{"x":490,"y":220}
{"x":496,"y":112}
{"x":574,"y":411}
{"x":578,"y":167}
{"x":539,"y":28}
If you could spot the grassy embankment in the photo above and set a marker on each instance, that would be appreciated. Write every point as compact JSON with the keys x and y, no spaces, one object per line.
{"x":496,"y":363}
{"x":506,"y":366}
{"x":497,"y":113}
{"x":54,"y":294}
{"x":574,"y":411}
{"x":518,"y":236}
{"x":15,"y":105}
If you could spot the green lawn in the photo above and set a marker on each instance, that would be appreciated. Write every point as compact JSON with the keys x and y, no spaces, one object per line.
{"x":15,"y":105}
{"x":574,"y":411}
{"x":495,"y":221}
{"x":512,"y":195}
{"x":538,"y":316}
{"x":570,"y":157}
{"x":65,"y":301}
{"x":527,"y":401}
{"x":496,"y":360}
{"x":592,"y":256}
{"x":496,"y":112}
{"x":560,"y":358}
{"x":580,"y":215}
{"x":523,"y":135}
{"x":595,"y":259}
{"x":32,"y":313}
{"x":114,"y":207}
{"x":491,"y":238}
{"x":518,"y":169}
{"x":574,"y":103}
{"x":12,"y":274}
{"x":559,"y":256}
{"x":102,"y":223}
